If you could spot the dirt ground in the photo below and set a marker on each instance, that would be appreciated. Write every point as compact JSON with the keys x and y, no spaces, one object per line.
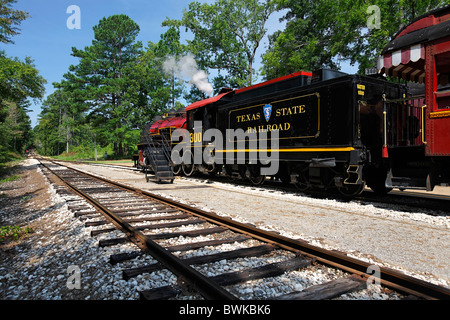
{"x":22,"y":203}
{"x":24,"y":200}
{"x":35,"y":266}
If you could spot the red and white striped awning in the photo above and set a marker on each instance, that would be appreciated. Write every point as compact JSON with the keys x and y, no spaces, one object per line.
{"x":407,"y":63}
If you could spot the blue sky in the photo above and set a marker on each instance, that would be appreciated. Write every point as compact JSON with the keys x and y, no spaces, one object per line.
{"x":46,"y":39}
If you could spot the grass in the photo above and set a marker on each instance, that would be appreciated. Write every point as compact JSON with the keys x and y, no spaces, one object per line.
{"x":10,"y":178}
{"x":84,"y":153}
{"x":25,"y":198}
{"x":7,"y":170}
{"x":72,"y":156}
{"x":13,"y":232}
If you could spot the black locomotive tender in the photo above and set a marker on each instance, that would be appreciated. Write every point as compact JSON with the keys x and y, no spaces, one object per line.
{"x":331,"y":129}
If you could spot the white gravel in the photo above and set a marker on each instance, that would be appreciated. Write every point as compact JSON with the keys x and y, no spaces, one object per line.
{"x":36,"y":267}
{"x":413,"y":241}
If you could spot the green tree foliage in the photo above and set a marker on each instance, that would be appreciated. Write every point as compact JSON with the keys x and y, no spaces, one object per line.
{"x":114,"y":90}
{"x":59,"y":122}
{"x":18,"y":126}
{"x":168,"y":50}
{"x":117,"y":86}
{"x":154,"y":92}
{"x":323,"y":33}
{"x":102,"y":78}
{"x":9,"y":20}
{"x":49,"y":140}
{"x":19,"y":81}
{"x":227,"y":34}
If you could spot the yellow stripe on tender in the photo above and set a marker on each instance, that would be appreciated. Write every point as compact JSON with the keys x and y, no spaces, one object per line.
{"x":345,"y":149}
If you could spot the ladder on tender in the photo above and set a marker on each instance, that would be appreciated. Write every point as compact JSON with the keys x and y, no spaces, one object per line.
{"x":157,"y":154}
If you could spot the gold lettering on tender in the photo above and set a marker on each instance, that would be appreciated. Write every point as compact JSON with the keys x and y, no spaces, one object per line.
{"x":287,"y":111}
{"x":248,"y":117}
{"x":270,"y":127}
{"x":280,"y":112}
{"x":287,"y":126}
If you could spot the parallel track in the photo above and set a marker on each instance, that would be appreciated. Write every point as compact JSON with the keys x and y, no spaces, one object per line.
{"x":406,"y":198}
{"x":93,"y":189}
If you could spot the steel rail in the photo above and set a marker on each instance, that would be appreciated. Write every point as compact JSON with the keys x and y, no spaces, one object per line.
{"x":207,"y":288}
{"x":390,"y":278}
{"x":366,"y":195}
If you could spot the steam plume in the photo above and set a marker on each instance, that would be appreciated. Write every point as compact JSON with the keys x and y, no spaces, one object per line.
{"x":186,"y":67}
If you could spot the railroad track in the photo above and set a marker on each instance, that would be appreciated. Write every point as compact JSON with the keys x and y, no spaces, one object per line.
{"x":150,"y":221}
{"x":405,"y":198}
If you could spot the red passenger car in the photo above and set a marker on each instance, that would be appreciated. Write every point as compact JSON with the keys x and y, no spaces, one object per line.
{"x":417,"y":129}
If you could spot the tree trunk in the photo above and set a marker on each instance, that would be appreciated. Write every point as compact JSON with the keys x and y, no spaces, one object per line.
{"x":67,"y":139}
{"x":95,"y":149}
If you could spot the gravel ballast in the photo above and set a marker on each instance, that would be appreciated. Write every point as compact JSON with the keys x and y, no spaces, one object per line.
{"x":412,"y":240}
{"x":35,"y":267}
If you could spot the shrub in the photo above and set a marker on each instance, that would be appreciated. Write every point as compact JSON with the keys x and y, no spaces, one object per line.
{"x":13,"y":232}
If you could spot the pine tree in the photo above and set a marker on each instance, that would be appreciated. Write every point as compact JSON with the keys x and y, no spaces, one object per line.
{"x":102,"y":77}
{"x":9,"y":20}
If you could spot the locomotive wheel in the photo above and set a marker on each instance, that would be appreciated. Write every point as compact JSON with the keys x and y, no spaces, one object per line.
{"x":177,"y":169}
{"x":252,"y":172}
{"x":257,"y":180}
{"x":302,"y":180}
{"x":188,"y":169}
{"x":351,"y":190}
{"x":211,"y":168}
{"x":301,"y":186}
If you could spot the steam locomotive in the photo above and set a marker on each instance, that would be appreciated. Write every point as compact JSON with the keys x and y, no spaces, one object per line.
{"x":323,"y":129}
